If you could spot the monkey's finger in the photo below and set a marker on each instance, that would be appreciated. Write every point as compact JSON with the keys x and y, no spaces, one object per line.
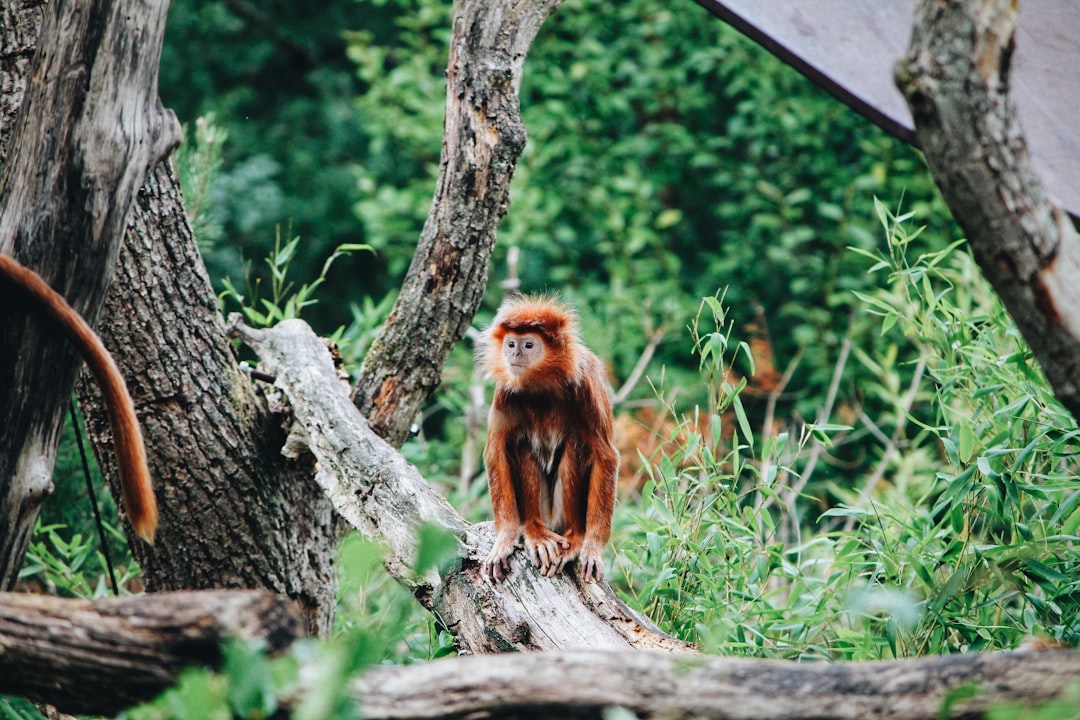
{"x":543,"y":558}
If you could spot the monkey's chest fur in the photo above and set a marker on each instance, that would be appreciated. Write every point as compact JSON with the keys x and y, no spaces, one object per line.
{"x":550,"y":432}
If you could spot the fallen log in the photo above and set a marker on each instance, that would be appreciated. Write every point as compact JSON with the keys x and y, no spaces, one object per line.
{"x":586,"y":684}
{"x":101,"y":656}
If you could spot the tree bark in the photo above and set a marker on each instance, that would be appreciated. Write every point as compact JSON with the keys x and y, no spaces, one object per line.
{"x":655,"y":685}
{"x":956,"y":81}
{"x":103,"y":656}
{"x":585,"y":684}
{"x":20,"y":22}
{"x":234,"y":512}
{"x":89,"y":129}
{"x":379,"y":493}
{"x":482,"y":140}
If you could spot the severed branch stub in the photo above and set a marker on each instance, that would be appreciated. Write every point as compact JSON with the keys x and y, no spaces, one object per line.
{"x":956,"y":81}
{"x":99,"y":657}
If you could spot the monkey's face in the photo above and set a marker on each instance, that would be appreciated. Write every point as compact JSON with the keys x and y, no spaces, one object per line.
{"x":522,"y":352}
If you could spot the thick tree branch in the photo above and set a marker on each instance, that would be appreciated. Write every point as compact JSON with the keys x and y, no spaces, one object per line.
{"x":654,"y":685}
{"x":379,"y":493}
{"x":102,"y":656}
{"x":956,"y":80}
{"x":482,"y":141}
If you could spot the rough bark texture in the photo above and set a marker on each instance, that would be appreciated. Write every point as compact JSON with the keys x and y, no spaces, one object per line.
{"x":18,"y":44}
{"x":956,"y":80}
{"x":482,"y":141}
{"x":103,"y":656}
{"x":234,"y":512}
{"x":653,"y":685}
{"x":379,"y":493}
{"x":89,"y":129}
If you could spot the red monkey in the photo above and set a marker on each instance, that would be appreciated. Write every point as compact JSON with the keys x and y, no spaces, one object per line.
{"x":130,"y":452}
{"x":550,"y":456}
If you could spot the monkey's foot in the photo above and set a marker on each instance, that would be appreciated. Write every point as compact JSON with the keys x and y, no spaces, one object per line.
{"x":545,"y":548}
{"x":496,"y":565}
{"x":591,"y":561}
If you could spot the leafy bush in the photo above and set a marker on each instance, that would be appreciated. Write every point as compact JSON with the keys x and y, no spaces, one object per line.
{"x":965,"y":540}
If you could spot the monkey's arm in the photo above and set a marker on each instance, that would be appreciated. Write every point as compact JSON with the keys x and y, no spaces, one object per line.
{"x":503,"y":499}
{"x":130,"y":452}
{"x":542,"y":544}
{"x":602,"y":480}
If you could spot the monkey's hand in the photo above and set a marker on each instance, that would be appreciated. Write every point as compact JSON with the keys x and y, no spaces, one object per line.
{"x":591,"y":560}
{"x":497,"y":564}
{"x":545,"y":548}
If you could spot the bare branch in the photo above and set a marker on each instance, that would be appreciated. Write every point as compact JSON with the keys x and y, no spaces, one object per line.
{"x":639,"y":367}
{"x":482,"y":141}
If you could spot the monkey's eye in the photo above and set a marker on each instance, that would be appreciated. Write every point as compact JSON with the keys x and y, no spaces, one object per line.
{"x":510,"y":343}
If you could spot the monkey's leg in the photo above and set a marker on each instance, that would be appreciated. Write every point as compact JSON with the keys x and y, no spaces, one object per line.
{"x":599,"y":497}
{"x":544,"y":546}
{"x":505,"y":504}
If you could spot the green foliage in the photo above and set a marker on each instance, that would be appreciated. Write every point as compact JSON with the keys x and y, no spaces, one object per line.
{"x":377,"y":621}
{"x":198,"y":162}
{"x":373,"y":606}
{"x":250,"y":685}
{"x":667,"y":156}
{"x":64,"y":555}
{"x":69,"y":564}
{"x":15,"y":708}
{"x":275,"y":80}
{"x":965,"y":542}
{"x":286,"y":300}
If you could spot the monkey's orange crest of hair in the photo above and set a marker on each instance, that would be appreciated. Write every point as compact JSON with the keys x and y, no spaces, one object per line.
{"x":127,"y":438}
{"x":553,"y":320}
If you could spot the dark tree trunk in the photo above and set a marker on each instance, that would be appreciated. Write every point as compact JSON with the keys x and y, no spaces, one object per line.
{"x":956,"y":80}
{"x":234,"y":512}
{"x":69,"y":179}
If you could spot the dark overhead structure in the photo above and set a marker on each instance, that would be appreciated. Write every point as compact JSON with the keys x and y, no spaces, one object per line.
{"x":849,"y":48}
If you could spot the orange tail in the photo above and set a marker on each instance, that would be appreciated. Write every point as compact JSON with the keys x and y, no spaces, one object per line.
{"x":130,"y":451}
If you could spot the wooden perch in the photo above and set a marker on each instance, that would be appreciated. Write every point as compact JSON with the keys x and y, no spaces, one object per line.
{"x":586,"y":684}
{"x":956,"y":81}
{"x":378,"y":492}
{"x":99,"y":657}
